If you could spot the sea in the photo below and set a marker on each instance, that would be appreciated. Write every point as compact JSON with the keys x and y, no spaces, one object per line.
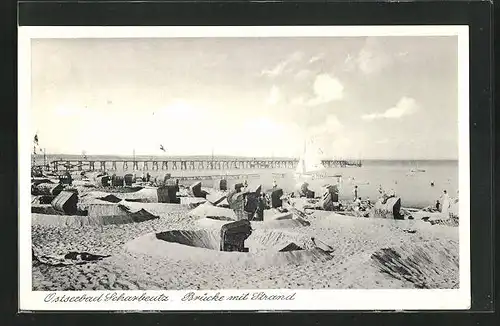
{"x":416,"y":189}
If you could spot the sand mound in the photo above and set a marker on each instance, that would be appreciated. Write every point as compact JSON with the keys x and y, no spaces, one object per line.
{"x":200,"y":239}
{"x":160,"y":209}
{"x":209,"y":223}
{"x":202,"y":247}
{"x":213,"y":212}
{"x":281,"y":224}
{"x":146,"y":195}
{"x":213,"y":223}
{"x":126,"y":216}
{"x":273,"y":241}
{"x":298,"y":257}
{"x":273,"y":214}
{"x":194,"y":201}
{"x":44,"y":209}
{"x":91,"y":197}
{"x":125,"y":190}
{"x":426,"y":265}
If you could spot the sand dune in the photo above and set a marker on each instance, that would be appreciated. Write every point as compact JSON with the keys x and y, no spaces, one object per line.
{"x":202,"y":247}
{"x":364,"y":253}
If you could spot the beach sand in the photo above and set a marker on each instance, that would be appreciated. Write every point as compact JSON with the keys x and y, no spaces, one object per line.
{"x":366,"y":253}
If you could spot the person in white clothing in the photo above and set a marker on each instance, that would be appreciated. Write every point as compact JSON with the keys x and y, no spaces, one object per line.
{"x":445,"y":203}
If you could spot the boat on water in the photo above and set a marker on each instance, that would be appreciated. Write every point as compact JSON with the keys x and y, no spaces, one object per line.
{"x":415,"y":169}
{"x":310,"y":166}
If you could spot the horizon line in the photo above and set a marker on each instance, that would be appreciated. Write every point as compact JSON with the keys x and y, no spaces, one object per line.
{"x":258,"y":157}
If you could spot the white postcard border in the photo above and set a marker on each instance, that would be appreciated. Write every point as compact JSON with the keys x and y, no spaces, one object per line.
{"x":302,"y":299}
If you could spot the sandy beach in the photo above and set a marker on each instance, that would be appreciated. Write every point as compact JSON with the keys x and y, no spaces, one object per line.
{"x":267,"y":158}
{"x":350,"y":252}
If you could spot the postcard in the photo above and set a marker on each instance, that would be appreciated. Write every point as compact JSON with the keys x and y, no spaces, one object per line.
{"x":244,"y":168}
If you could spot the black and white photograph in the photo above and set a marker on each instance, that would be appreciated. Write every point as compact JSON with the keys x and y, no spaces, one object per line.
{"x":270,"y":167}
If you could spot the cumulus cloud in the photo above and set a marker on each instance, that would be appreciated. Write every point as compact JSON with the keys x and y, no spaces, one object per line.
{"x":303,"y":74}
{"x":274,"y":96}
{"x":372,"y":58}
{"x":326,"y":89}
{"x":283,"y":66}
{"x":405,"y":106}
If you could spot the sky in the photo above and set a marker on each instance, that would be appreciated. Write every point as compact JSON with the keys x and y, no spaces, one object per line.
{"x":348,"y":97}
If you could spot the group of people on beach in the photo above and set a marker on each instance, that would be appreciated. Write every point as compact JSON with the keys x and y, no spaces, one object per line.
{"x":253,"y":203}
{"x":443,"y":204}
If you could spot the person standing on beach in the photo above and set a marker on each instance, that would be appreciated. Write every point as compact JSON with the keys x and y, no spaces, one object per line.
{"x":358,"y":202}
{"x":445,"y":203}
{"x":438,"y":205}
{"x":261,"y":206}
{"x":355,"y":193}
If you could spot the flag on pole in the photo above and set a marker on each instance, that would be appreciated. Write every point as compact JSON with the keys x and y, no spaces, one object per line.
{"x":36,"y":139}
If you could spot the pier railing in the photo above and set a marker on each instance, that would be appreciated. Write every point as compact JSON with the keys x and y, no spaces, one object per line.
{"x":187,"y":164}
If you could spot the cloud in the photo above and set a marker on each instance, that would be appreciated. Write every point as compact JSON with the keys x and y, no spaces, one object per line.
{"x":372,"y":116}
{"x":303,"y":74}
{"x":350,"y":63}
{"x":326,"y":89}
{"x":406,"y":106}
{"x":274,"y":96}
{"x":276,"y":71}
{"x":283,"y":66}
{"x":372,"y":58}
{"x":317,"y":58}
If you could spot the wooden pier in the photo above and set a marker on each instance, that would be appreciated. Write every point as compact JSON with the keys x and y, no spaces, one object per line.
{"x":187,"y":164}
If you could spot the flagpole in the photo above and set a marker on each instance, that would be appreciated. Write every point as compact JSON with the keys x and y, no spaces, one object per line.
{"x":34,"y":156}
